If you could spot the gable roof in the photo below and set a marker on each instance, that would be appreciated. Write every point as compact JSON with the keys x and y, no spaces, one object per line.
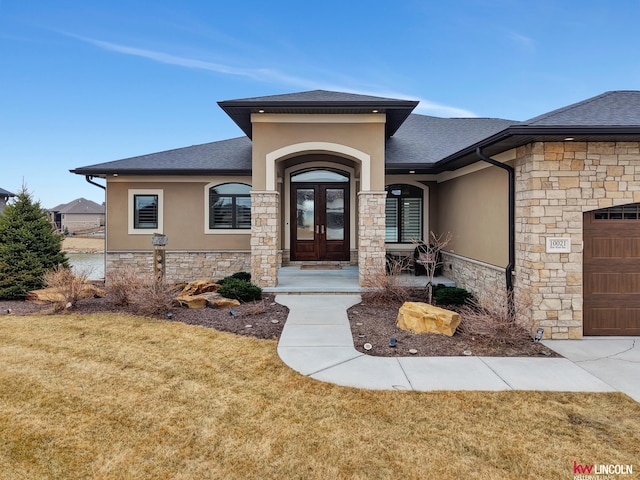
{"x":226,"y":157}
{"x":5,"y":193}
{"x":319,"y":101}
{"x":79,"y":206}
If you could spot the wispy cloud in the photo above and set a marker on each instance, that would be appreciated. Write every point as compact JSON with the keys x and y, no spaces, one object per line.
{"x":527,"y":43}
{"x":266,"y":75}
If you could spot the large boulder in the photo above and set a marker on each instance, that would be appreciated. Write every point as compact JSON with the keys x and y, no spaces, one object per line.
{"x":200,"y":286}
{"x":54,"y":295}
{"x":209,"y":299}
{"x":420,"y":317}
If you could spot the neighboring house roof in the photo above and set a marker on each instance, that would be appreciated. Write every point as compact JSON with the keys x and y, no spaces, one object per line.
{"x":226,"y":157}
{"x":5,"y":193}
{"x":319,"y":101}
{"x":79,"y":206}
{"x":421,"y":143}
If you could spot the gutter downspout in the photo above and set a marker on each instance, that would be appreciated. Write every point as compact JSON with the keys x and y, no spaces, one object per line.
{"x":512,"y":219}
{"x":89,"y":178}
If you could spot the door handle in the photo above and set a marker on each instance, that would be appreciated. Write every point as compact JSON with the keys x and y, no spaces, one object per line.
{"x":317,"y":228}
{"x":322,"y":229}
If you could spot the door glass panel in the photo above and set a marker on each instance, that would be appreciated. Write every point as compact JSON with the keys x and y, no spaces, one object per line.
{"x":335,"y":214}
{"x":305,"y":213}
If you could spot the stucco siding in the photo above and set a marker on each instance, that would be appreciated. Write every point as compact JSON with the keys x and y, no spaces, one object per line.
{"x":474,"y":208}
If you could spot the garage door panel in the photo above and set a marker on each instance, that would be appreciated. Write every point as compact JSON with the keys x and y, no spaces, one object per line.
{"x":611,"y":272}
{"x":603,"y":283}
{"x":607,"y":248}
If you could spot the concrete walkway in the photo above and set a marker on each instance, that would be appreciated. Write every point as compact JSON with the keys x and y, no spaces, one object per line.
{"x":316,"y":341}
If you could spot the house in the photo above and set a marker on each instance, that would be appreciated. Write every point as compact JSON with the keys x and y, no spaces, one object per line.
{"x":78,"y":216}
{"x":4,"y":198}
{"x":548,"y":207}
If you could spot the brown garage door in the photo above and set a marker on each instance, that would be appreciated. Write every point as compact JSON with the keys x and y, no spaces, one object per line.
{"x":611,"y":266}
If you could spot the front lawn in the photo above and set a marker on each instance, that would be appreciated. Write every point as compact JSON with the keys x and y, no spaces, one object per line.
{"x":123,"y":397}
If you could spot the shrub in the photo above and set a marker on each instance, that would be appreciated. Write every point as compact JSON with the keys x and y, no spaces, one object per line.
{"x":455,"y":296}
{"x":244,"y":276}
{"x":120,"y":284}
{"x":29,"y":247}
{"x":240,"y":290}
{"x":494,"y":318}
{"x":386,"y":287}
{"x":144,"y":294}
{"x":71,"y":287}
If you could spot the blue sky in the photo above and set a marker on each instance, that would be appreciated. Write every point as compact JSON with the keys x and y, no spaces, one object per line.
{"x":86,"y":82}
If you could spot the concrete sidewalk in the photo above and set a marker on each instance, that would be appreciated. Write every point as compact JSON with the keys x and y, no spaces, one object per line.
{"x":316,"y":341}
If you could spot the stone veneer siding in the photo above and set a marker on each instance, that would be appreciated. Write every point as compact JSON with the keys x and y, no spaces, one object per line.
{"x":184,"y":266}
{"x":556,"y":183}
{"x":371,"y":234}
{"x":477,"y":277}
{"x":265,"y":256}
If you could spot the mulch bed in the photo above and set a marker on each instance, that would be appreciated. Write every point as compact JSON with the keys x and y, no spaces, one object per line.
{"x":371,"y":322}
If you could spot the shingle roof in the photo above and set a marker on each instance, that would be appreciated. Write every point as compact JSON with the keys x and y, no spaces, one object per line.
{"x":425,"y":143}
{"x":426,"y":140}
{"x":79,"y":205}
{"x":319,"y":101}
{"x":6,"y":193}
{"x":615,"y":108}
{"x":226,"y":156}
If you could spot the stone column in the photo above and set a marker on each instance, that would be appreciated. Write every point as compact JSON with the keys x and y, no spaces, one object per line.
{"x":264,"y":238}
{"x":371,"y":233}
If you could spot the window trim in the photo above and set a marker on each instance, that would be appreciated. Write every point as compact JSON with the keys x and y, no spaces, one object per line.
{"x":397,"y":241}
{"x":131,"y":205}
{"x":207,"y":210}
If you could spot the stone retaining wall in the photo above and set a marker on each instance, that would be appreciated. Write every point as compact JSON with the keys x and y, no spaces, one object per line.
{"x":185,"y":266}
{"x":477,"y":277}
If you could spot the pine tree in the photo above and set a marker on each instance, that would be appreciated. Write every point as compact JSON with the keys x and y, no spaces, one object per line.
{"x":29,"y":247}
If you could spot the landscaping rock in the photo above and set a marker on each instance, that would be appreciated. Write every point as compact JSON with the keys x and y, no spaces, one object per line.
{"x":53,"y":294}
{"x":420,"y":317}
{"x":198,"y":287}
{"x":209,"y":299}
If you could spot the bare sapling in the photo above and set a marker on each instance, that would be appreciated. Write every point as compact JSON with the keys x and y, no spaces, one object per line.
{"x":429,"y":257}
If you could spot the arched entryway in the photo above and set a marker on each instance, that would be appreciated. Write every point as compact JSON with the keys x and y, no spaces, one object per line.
{"x":611,"y":271}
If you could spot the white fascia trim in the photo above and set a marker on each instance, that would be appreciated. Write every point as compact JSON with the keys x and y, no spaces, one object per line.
{"x":145,"y":231}
{"x":309,"y":147}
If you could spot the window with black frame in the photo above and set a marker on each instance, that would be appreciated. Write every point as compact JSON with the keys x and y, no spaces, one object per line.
{"x":403,"y":213}
{"x":230,"y":206}
{"x":145,"y":211}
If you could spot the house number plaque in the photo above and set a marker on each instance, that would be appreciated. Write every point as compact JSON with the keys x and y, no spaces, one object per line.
{"x":558,"y":245}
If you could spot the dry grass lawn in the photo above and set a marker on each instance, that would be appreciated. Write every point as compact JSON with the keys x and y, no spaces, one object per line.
{"x":118,"y":397}
{"x":83,"y":244}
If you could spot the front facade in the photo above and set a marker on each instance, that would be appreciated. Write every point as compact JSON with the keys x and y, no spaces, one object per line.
{"x":341,"y":178}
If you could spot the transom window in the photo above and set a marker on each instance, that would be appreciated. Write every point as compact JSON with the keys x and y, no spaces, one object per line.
{"x":230,"y":206}
{"x":145,"y":211}
{"x":319,"y":176}
{"x":403,"y":213}
{"x":626,"y":212}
